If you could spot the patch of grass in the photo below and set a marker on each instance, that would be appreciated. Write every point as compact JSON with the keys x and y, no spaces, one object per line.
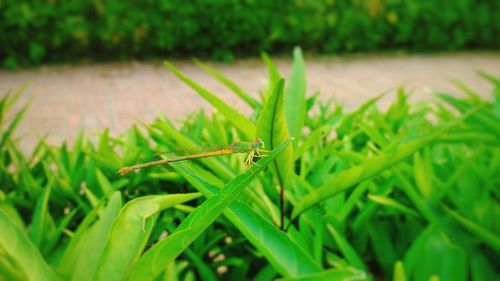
{"x":407,"y":193}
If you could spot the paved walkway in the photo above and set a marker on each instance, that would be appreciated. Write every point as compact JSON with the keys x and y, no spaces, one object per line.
{"x":114,"y":95}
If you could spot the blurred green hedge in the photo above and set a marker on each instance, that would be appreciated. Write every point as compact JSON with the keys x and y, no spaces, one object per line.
{"x":36,"y":31}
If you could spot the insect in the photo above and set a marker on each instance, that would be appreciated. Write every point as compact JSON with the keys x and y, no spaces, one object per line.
{"x":254,"y":149}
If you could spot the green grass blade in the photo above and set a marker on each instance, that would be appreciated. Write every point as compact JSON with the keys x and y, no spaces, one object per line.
{"x":346,"y":249}
{"x":391,"y":203}
{"x":494,"y":80}
{"x":130,"y":232}
{"x":39,"y":221}
{"x":284,"y":255}
{"x":245,"y":126}
{"x":382,"y":245}
{"x":482,"y":118}
{"x":228,"y":83}
{"x":273,"y":130}
{"x":89,"y":239}
{"x":104,"y":184}
{"x":13,"y":99}
{"x":16,"y":246}
{"x":272,"y":70}
{"x":399,"y":272}
{"x":295,"y":97}
{"x":153,"y":262}
{"x":434,"y":253}
{"x":422,"y":175}
{"x":347,"y":121}
{"x":334,"y":274}
{"x":203,"y":269}
{"x":312,"y":140}
{"x":484,"y":235}
{"x":12,"y":126}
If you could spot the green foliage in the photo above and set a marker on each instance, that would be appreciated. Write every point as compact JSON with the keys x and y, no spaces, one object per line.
{"x":37,"y":31}
{"x":404,"y":193}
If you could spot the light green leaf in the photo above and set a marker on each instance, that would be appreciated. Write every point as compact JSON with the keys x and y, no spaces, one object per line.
{"x":19,"y":254}
{"x":103,"y":181}
{"x":334,"y":274}
{"x":295,"y":97}
{"x":39,"y":220}
{"x":130,"y":232}
{"x":273,"y":73}
{"x":12,"y":126}
{"x":245,"y":126}
{"x":81,"y":259}
{"x":484,"y":235}
{"x":391,"y":203}
{"x":273,"y":130}
{"x":228,"y":83}
{"x":399,"y":271}
{"x":434,"y":254}
{"x":346,"y":249}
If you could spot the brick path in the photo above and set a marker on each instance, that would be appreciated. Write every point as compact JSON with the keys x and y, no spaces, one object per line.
{"x":114,"y":95}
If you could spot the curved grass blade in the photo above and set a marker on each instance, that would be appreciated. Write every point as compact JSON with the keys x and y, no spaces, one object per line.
{"x":391,"y":203}
{"x":153,"y":262}
{"x":484,"y":235}
{"x":295,"y":97}
{"x":272,"y":128}
{"x":228,"y":83}
{"x":434,"y":253}
{"x":12,"y":126}
{"x":90,"y":240}
{"x":271,"y":69}
{"x":245,"y":126}
{"x":130,"y":232}
{"x":347,"y":250}
{"x":399,"y":271}
{"x":334,"y":274}
{"x":39,"y":221}
{"x":16,"y":246}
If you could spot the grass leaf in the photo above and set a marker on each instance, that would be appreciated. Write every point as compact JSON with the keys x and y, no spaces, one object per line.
{"x":333,"y":274}
{"x":295,"y":97}
{"x":230,"y":84}
{"x":346,"y":249}
{"x":487,"y":237}
{"x":245,"y":126}
{"x":16,"y":246}
{"x":136,"y":219}
{"x":12,"y":126}
{"x":39,"y":221}
{"x":273,"y":130}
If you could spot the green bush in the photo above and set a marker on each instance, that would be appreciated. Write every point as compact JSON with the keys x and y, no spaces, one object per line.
{"x":407,"y":193}
{"x":34,"y":32}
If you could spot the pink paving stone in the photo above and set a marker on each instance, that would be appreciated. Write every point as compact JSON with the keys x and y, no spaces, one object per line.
{"x":74,"y":120}
{"x":69,"y":98}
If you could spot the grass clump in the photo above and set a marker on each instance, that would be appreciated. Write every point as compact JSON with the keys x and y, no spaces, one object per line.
{"x":407,"y":193}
